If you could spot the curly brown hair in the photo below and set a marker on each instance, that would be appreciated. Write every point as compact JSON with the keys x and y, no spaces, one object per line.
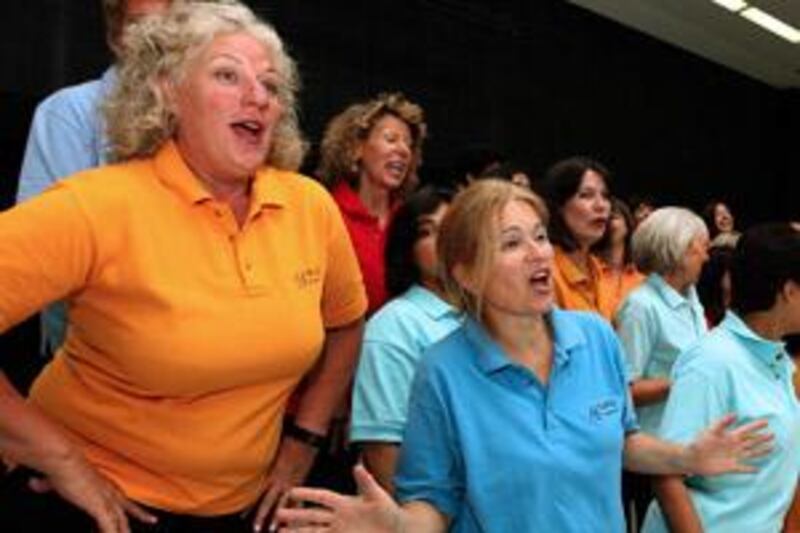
{"x":347,"y":130}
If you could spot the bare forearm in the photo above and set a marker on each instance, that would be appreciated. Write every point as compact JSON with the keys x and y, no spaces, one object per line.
{"x":649,"y":391}
{"x":329,"y":381}
{"x":27,"y":436}
{"x":381,"y":461}
{"x":650,"y":455}
{"x":791,"y":523}
{"x":421,"y":517}
{"x":676,"y":504}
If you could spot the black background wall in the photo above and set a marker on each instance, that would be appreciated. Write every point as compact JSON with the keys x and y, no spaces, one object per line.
{"x":539,"y":79}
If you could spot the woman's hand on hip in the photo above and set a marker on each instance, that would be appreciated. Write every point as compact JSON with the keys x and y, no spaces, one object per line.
{"x":78,"y":482}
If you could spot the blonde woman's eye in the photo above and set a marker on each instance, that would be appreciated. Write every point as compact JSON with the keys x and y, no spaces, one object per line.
{"x":226,"y":76}
{"x":509,"y":244}
{"x":271,"y":87}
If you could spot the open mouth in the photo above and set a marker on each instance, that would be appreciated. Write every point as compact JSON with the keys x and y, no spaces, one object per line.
{"x":397,"y":168}
{"x":249,"y":130}
{"x":540,"y":280}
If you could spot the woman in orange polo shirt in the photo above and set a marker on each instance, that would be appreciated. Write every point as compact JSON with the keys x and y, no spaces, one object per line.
{"x":619,"y":270}
{"x":204,"y":279}
{"x":577,"y":194}
{"x":370,"y":153}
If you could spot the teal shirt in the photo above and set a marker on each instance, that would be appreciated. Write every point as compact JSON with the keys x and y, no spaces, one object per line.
{"x":394,"y":340}
{"x":734,"y":370}
{"x":655,"y":324}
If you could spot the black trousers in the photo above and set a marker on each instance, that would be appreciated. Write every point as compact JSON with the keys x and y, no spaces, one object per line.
{"x":637,"y":493}
{"x":25,"y":511}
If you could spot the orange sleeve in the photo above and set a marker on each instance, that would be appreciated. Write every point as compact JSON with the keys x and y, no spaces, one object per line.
{"x":46,"y":253}
{"x":344,"y":298}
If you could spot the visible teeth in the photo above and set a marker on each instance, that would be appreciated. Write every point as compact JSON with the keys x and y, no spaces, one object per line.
{"x":250,"y":125}
{"x":539,"y":277}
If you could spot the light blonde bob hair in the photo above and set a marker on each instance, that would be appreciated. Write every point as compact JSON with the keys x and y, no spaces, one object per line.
{"x":347,"y":130}
{"x":159,"y":48}
{"x":468,"y":237}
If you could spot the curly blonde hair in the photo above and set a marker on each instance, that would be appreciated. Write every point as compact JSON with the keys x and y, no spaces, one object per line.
{"x":467,"y":237}
{"x":138,"y":117}
{"x":347,"y":130}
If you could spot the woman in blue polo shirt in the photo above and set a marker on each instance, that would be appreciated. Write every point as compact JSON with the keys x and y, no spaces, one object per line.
{"x":520,"y":420}
{"x":398,"y":334}
{"x":741,"y":366}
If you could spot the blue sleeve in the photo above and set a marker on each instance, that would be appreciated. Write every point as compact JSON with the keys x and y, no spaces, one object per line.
{"x":635,"y":330}
{"x":61,"y":142}
{"x":430,"y":467}
{"x":629,"y":421}
{"x":381,"y":390}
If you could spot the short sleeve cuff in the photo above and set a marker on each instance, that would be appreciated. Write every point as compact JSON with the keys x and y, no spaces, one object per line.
{"x":346,"y":313}
{"x":389,"y":433}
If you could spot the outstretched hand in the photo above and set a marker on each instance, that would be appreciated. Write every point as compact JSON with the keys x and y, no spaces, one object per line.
{"x":373,"y":511}
{"x":720,"y":450}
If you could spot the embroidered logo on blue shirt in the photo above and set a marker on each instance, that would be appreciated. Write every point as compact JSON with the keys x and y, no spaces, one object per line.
{"x":603,"y":409}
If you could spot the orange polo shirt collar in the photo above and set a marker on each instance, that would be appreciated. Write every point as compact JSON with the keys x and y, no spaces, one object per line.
{"x":578,"y":291}
{"x":172,"y":171}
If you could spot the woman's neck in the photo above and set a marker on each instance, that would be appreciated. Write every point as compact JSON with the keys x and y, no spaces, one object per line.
{"x":616,"y":256}
{"x":677,"y":281}
{"x":525,"y":339}
{"x":766,"y":323}
{"x":435,"y":286}
{"x":580,"y":256}
{"x":376,"y":200}
{"x":235,"y":193}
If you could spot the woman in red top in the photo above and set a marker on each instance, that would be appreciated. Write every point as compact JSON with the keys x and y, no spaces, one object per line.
{"x":370,"y":153}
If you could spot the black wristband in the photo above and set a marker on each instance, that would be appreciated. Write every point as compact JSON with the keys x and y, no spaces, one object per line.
{"x":295,"y":432}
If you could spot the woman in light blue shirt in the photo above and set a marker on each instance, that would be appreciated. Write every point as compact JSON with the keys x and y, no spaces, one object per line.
{"x":520,"y":420}
{"x":660,"y":319}
{"x":664,"y":316}
{"x":400,"y":331}
{"x":740,"y":366}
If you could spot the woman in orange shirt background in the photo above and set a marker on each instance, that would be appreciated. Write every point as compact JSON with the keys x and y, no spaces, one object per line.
{"x":614,"y":249}
{"x":577,"y":195}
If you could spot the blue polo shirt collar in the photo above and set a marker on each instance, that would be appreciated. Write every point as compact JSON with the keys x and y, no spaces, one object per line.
{"x":429,"y":303}
{"x":568,"y":336}
{"x":770,"y":353}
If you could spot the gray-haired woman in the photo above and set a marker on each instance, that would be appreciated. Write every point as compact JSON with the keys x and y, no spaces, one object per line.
{"x":664,"y":316}
{"x":205,"y":279}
